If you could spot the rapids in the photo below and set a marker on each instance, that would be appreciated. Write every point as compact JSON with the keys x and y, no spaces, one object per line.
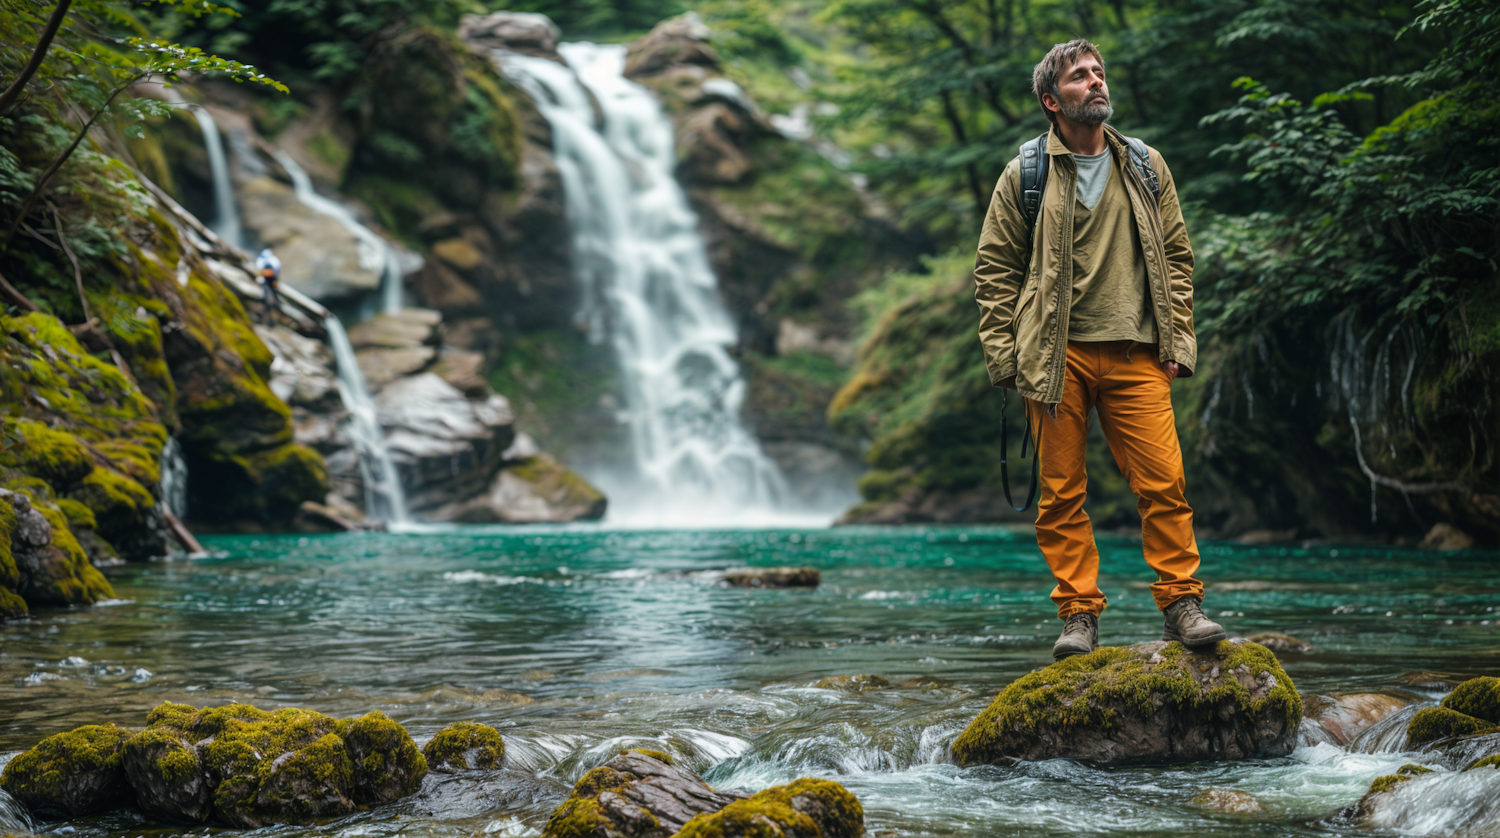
{"x":577,"y":642}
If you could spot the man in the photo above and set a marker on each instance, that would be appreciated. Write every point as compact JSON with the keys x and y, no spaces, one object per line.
{"x":1093,"y":310}
{"x":270,"y":274}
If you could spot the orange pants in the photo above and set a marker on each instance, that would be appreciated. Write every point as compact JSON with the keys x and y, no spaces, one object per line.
{"x":1125,"y":382}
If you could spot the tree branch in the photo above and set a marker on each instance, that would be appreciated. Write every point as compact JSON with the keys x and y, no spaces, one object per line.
{"x":42,"y":45}
{"x":976,"y":189}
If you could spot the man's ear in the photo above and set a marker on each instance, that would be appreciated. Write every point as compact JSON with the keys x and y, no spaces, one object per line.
{"x":1050,"y":102}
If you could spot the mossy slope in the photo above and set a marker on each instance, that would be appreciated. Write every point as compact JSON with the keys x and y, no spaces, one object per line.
{"x":1155,"y":703}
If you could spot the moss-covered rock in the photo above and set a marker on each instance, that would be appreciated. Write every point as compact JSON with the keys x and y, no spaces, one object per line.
{"x":70,"y":774}
{"x":387,"y":764}
{"x":1477,"y":697}
{"x":1379,"y":786}
{"x":168,"y":775}
{"x":1491,"y":761}
{"x":465,"y":745}
{"x":1158,"y":702}
{"x":42,"y":557}
{"x":637,"y":795}
{"x":807,"y":808}
{"x":1433,"y":723}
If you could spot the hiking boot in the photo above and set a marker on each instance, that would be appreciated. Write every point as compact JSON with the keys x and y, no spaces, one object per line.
{"x":1079,"y":636}
{"x":1187,"y":625}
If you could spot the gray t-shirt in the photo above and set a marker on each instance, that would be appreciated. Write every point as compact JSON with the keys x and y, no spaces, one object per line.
{"x":1093,"y":174}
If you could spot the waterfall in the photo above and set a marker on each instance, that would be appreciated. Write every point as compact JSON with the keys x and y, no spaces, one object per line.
{"x":383,"y":496}
{"x":374,"y":252}
{"x":226,"y":215}
{"x":649,"y":290}
{"x":174,"y":476}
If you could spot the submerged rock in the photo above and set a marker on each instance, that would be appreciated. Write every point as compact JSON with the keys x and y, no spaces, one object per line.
{"x":1154,"y":703}
{"x":767,"y":577}
{"x":237,"y":765}
{"x":1280,"y":643}
{"x":1233,"y":801}
{"x":465,"y":745}
{"x":852,"y":683}
{"x":1341,"y":718}
{"x":70,"y":774}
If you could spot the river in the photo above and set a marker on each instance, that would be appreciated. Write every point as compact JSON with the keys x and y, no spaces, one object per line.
{"x":576,"y":642}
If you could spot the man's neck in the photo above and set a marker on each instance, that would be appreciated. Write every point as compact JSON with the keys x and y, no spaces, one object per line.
{"x":1081,"y":138}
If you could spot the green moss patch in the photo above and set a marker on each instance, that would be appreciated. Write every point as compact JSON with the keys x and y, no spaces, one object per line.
{"x":70,"y":774}
{"x":1381,"y":785}
{"x":387,"y":764}
{"x":1434,"y":723}
{"x":465,"y":745}
{"x":1477,"y":697}
{"x":808,"y":807}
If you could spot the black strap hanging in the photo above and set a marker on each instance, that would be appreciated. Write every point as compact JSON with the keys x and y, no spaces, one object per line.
{"x":1036,"y":458}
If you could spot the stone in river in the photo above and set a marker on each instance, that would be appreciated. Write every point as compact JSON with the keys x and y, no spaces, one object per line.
{"x":1154,"y":703}
{"x":1477,"y":697}
{"x":642,"y":795}
{"x":465,"y":745}
{"x":1343,"y":717}
{"x":767,"y":577}
{"x":1380,"y":786}
{"x":852,"y":683}
{"x":387,"y":764}
{"x":1434,"y":723}
{"x":1280,"y":643}
{"x":1229,"y":800}
{"x":635,"y":794}
{"x":70,"y":774}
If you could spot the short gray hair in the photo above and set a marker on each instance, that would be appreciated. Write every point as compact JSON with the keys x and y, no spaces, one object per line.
{"x":1062,"y":56}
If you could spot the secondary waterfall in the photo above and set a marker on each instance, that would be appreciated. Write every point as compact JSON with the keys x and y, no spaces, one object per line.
{"x":226,"y":214}
{"x":383,"y":496}
{"x":649,"y":289}
{"x":174,"y":479}
{"x":374,"y":252}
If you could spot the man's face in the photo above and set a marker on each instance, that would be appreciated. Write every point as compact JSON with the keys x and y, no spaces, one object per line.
{"x":1085,"y":96}
{"x":267,"y":273}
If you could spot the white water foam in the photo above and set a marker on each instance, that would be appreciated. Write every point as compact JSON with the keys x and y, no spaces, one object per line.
{"x":648,"y":289}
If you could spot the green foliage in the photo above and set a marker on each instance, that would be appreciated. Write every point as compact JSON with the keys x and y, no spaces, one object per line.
{"x":597,"y":19}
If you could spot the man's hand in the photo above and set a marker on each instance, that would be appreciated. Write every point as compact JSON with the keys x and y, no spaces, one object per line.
{"x":1171,"y":368}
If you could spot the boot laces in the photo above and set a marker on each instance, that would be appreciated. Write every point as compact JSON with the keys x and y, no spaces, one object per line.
{"x":1079,"y":621}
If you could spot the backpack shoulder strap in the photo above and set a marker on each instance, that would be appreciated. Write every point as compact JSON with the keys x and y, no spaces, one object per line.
{"x":1034,"y":165}
{"x":1141,"y":157}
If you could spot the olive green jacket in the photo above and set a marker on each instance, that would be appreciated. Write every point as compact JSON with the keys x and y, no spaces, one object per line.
{"x":1025,"y":295}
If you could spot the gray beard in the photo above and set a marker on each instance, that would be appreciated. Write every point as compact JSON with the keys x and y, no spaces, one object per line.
{"x":1088,"y":114}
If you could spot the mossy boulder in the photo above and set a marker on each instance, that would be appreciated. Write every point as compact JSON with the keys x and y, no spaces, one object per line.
{"x":463,"y":746}
{"x":1433,"y":723}
{"x":41,"y":562}
{"x":387,"y":764}
{"x":70,"y":774}
{"x":1154,"y":703}
{"x":236,"y":765}
{"x":1378,"y":787}
{"x":1477,"y":697}
{"x":807,"y":808}
{"x":636,"y":795}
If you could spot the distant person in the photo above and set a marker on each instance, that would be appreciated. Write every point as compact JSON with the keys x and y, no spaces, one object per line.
{"x":1086,"y":303}
{"x":268,"y":269}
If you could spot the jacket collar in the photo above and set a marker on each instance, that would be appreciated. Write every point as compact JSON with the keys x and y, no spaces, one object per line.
{"x":1114,"y":139}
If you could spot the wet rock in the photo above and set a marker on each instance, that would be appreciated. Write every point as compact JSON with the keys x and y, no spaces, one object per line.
{"x":1444,"y":536}
{"x":381,"y":366}
{"x":852,"y":683}
{"x":766,"y":577}
{"x":1492,"y":761}
{"x":535,"y":490}
{"x":1434,"y":723}
{"x":408,"y":328}
{"x":70,"y":774}
{"x":1232,"y":801}
{"x":464,"y":746}
{"x":464,"y":370}
{"x":1477,"y":697}
{"x":682,"y":40}
{"x":302,"y":372}
{"x":446,"y":446}
{"x":387,"y":764}
{"x":637,"y":795}
{"x":524,"y":32}
{"x":1154,"y":703}
{"x":320,"y":257}
{"x":1341,"y":718}
{"x":43,"y":563}
{"x":1281,"y":643}
{"x":1434,"y":681}
{"x":168,"y":775}
{"x":317,"y":517}
{"x":1381,"y":786}
{"x":807,"y":807}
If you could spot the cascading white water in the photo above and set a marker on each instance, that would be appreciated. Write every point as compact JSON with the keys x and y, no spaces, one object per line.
{"x":174,"y":474}
{"x":374,"y":252}
{"x":384,"y":498}
{"x":226,"y":214}
{"x":649,"y":289}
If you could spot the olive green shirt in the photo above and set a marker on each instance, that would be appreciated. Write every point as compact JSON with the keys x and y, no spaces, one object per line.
{"x":1110,"y":300}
